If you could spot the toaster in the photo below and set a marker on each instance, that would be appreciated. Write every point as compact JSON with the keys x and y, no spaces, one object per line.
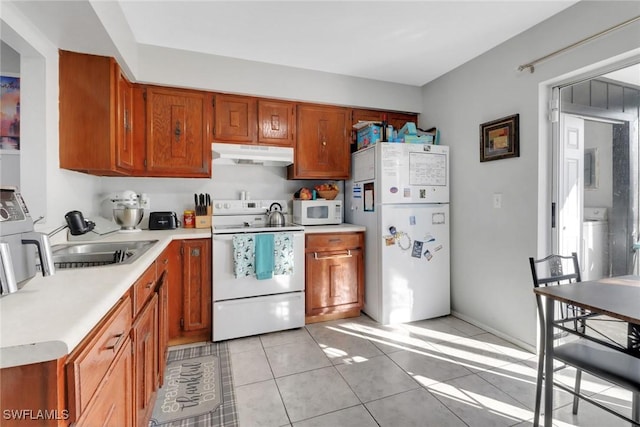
{"x":163,"y":221}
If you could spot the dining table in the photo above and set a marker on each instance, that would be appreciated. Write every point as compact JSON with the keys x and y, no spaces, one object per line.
{"x":617,"y":297}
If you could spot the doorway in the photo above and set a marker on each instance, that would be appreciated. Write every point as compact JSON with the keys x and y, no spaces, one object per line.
{"x":596,"y":178}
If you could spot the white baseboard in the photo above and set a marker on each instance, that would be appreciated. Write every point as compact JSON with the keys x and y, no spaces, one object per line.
{"x":515,"y":341}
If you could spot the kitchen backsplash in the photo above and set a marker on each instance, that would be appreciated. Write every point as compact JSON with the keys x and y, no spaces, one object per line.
{"x":176,"y":194}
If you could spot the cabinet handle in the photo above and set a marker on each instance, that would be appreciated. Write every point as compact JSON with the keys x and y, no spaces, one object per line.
{"x":178,"y":131}
{"x":127,"y":124}
{"x":115,"y":345}
{"x":324,"y":143}
{"x":347,"y":255}
{"x":149,"y":285}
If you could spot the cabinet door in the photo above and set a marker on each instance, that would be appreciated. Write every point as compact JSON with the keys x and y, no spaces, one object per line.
{"x":177,"y":133}
{"x":322,"y":147}
{"x":235,"y":118}
{"x":358,"y":115}
{"x":398,"y":120}
{"x":124,"y":125}
{"x":276,"y":122}
{"x":196,"y":286}
{"x":145,"y":333}
{"x":164,"y":266}
{"x":332,"y":281}
{"x":87,"y":93}
{"x":112,"y":404}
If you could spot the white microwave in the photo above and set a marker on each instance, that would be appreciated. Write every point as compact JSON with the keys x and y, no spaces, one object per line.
{"x":317,"y":212}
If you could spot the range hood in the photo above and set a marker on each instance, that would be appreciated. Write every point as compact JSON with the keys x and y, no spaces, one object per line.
{"x":239,"y":154}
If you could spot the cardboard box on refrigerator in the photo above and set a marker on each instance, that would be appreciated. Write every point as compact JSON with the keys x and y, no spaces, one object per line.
{"x":368,"y":133}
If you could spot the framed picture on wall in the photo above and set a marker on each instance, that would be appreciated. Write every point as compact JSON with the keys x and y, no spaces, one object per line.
{"x":499,"y":139}
{"x":10,"y":112}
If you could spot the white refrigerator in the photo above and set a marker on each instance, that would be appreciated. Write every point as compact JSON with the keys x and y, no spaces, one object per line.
{"x":400,"y":193}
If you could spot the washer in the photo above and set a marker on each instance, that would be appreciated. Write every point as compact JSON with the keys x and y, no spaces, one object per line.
{"x":595,"y":238}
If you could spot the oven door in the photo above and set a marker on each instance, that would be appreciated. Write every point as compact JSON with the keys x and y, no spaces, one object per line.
{"x":226,"y":286}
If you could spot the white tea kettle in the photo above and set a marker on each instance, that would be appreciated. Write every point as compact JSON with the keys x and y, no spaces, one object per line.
{"x":275,"y":216}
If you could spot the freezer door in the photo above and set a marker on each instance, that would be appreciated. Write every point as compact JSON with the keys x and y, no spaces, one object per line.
{"x":412,"y":173}
{"x":414,"y":268}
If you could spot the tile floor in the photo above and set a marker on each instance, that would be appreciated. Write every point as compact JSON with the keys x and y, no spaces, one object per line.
{"x":439,"y":372}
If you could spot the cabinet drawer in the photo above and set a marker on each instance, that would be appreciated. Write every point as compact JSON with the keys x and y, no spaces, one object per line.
{"x":144,"y":287}
{"x":329,"y":242}
{"x":89,"y":365}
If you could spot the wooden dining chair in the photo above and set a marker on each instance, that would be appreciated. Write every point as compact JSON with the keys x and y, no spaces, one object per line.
{"x":574,"y":345}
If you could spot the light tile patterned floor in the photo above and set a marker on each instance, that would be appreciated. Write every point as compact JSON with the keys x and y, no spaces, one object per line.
{"x":439,"y":372}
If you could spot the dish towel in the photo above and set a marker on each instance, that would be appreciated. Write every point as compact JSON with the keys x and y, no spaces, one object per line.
{"x":243,"y":255}
{"x":283,"y":254}
{"x":264,"y":256}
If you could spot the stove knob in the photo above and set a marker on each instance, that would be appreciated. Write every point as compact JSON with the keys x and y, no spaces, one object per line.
{"x":218,"y":205}
{"x":227,"y":205}
{"x":4,"y":215}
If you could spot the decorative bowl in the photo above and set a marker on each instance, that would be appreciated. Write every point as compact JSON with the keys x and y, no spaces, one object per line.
{"x":327,"y":194}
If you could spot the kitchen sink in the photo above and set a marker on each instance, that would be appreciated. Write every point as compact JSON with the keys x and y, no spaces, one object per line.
{"x":98,"y":254}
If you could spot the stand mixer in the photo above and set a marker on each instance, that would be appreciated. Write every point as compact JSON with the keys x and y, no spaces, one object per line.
{"x":127,"y":211}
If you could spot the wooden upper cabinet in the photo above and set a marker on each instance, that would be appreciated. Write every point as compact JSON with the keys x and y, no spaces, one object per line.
{"x":276,"y":122}
{"x":395,"y":119}
{"x":125,"y":152}
{"x":95,"y":110}
{"x":358,"y":115}
{"x":178,"y":124}
{"x":322,"y":143}
{"x":398,"y":120}
{"x":235,"y":119}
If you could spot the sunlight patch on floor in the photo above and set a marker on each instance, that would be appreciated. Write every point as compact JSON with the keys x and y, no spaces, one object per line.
{"x":481,"y":401}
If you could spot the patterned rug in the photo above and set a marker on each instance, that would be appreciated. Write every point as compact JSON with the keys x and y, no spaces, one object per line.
{"x":185,"y":367}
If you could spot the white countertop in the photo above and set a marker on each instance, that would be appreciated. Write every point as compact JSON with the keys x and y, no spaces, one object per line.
{"x":338,"y":228}
{"x":49,"y":316}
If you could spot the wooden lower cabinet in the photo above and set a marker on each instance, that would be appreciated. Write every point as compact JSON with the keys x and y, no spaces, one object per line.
{"x":334,"y":270}
{"x":145,"y":339}
{"x":112,"y":404}
{"x":111,"y":378}
{"x":190,"y":293}
{"x":163,"y":315}
{"x":89,"y":364}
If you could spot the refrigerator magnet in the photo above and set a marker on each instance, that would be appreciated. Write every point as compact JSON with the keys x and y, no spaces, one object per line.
{"x":357,"y":191}
{"x":429,"y":238}
{"x":407,"y":192}
{"x":389,"y":240}
{"x":437,"y":248}
{"x":427,"y":255}
{"x":417,"y":249}
{"x":403,"y":239}
{"x":369,"y":196}
{"x":412,"y":220}
{"x":437,"y":218}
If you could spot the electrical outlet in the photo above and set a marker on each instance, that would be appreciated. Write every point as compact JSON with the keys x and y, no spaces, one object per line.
{"x":145,"y":202}
{"x":497,"y":200}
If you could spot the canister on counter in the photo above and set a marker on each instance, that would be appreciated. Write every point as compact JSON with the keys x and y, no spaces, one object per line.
{"x":189,"y":220}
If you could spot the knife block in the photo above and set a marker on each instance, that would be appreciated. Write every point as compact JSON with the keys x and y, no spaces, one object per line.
{"x":204,"y":221}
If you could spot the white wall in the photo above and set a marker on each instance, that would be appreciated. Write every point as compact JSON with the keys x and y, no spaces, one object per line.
{"x":491,"y":280}
{"x":47,"y":190}
{"x":217,"y":73}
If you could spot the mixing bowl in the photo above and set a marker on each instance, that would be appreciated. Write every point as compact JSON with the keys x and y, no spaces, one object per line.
{"x":127,"y":217}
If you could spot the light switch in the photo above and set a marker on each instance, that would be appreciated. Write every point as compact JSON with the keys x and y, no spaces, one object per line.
{"x":497,"y":200}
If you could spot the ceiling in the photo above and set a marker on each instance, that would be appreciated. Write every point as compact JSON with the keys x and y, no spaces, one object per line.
{"x":407,"y":42}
